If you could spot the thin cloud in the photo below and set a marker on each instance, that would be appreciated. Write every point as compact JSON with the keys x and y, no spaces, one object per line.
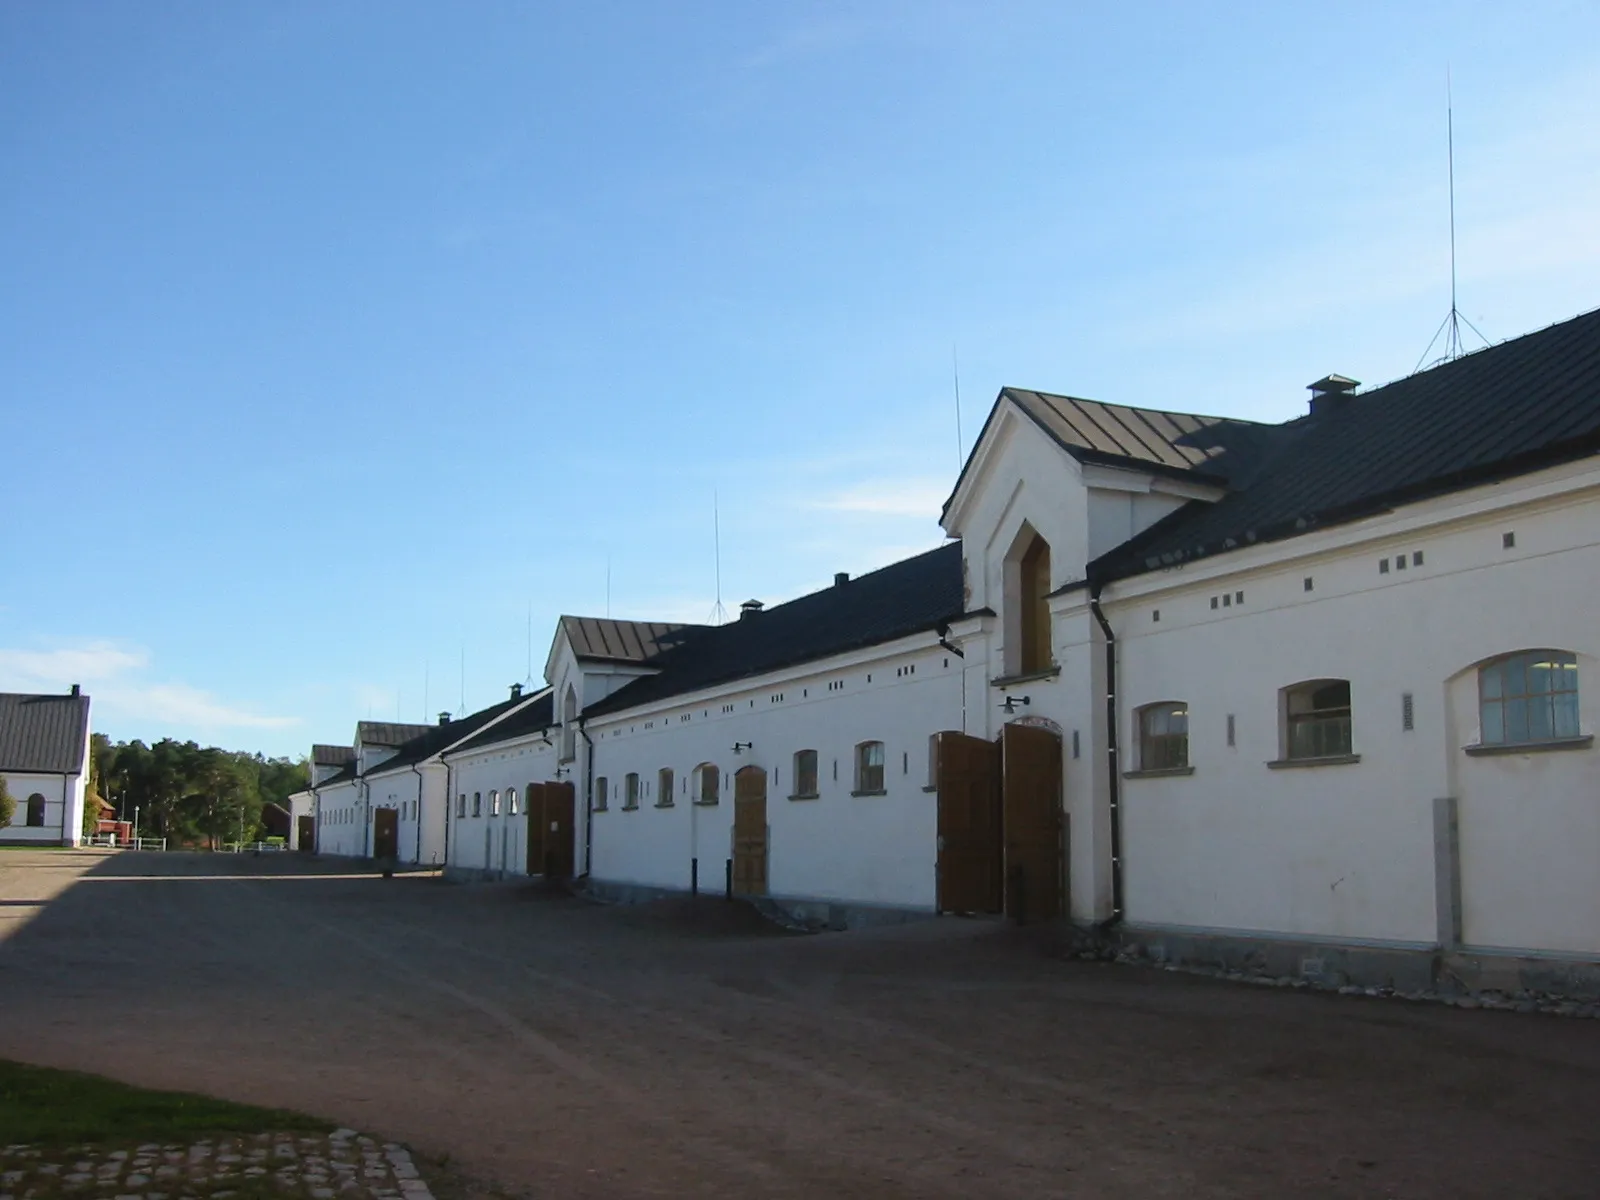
{"x":919,"y":496}
{"x":110,"y":674}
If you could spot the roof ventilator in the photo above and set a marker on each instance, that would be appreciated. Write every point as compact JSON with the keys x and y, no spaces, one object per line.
{"x":749,"y":609}
{"x":1330,"y":393}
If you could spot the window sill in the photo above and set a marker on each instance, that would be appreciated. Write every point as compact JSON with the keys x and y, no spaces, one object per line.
{"x":599,"y":808}
{"x":1330,"y":760}
{"x":1161,"y":772}
{"x":705,"y":803}
{"x":874,"y":792}
{"x":806,"y":796}
{"x":664,"y":804}
{"x":931,"y":788}
{"x":1577,"y":743}
{"x":630,"y":808}
{"x":1025,"y":677}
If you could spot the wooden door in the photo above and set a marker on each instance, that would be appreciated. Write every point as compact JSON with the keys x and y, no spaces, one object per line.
{"x":307,"y":839}
{"x":1030,"y":764}
{"x":750,"y":831}
{"x":386,"y":833}
{"x":559,"y":801}
{"x":971,"y":851}
{"x":534,"y":808}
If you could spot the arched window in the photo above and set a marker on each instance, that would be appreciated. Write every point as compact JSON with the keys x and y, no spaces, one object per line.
{"x":511,"y":801}
{"x":1530,"y":696}
{"x":601,"y":789}
{"x":36,"y":810}
{"x":630,"y":790}
{"x":707,"y":783}
{"x":1164,"y":736}
{"x":1317,"y":719}
{"x":477,"y":804}
{"x":1026,"y":585}
{"x":664,"y":788}
{"x":869,"y":769}
{"x":805,"y":774}
{"x":461,"y":805}
{"x":494,"y":802}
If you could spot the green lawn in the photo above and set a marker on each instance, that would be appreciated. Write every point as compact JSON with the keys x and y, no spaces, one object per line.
{"x":43,"y":1107}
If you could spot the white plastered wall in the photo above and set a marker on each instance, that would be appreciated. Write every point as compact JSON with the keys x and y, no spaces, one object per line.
{"x":58,"y":792}
{"x":498,"y":842}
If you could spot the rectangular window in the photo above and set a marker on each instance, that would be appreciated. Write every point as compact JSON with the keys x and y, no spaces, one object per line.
{"x":600,"y":789}
{"x":1164,"y":737}
{"x":461,"y":805}
{"x":869,"y":767}
{"x":664,"y":788}
{"x":710,"y":780}
{"x":805,"y":773}
{"x":1318,"y":717}
{"x":630,"y":790}
{"x":1528,"y":697}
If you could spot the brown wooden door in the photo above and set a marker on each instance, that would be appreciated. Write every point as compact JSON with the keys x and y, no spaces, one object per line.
{"x":533,"y":861}
{"x":750,"y":831}
{"x":1030,"y":761}
{"x":386,"y":833}
{"x":307,"y":834}
{"x":559,"y":800}
{"x":971,"y":850}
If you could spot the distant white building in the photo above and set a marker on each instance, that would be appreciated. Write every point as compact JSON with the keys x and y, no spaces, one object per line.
{"x":1317,"y":698}
{"x":44,"y":759}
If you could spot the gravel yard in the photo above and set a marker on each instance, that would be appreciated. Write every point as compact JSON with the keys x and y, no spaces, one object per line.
{"x":551,"y":1048}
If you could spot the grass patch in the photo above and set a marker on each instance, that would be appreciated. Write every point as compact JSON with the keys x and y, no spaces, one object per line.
{"x":44,"y":1107}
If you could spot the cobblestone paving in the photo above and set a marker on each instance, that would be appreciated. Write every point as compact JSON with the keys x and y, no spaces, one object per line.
{"x":343,"y":1165}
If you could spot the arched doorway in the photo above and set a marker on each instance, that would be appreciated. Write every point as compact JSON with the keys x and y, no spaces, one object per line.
{"x":750,"y":831}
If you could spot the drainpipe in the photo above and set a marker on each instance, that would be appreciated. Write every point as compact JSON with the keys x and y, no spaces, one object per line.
{"x":961,"y":675}
{"x":1114,"y":783}
{"x":588,"y":801}
{"x":449,"y":808}
{"x":418,"y":774}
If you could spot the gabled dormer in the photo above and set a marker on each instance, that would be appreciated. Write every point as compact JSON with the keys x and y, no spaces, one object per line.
{"x":379,"y":741}
{"x":1054,"y":482}
{"x":591,"y":657}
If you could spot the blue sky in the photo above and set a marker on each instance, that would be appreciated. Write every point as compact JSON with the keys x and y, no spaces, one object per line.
{"x":340,"y":340}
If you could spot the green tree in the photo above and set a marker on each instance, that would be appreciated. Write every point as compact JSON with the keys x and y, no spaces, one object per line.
{"x":8,"y":804}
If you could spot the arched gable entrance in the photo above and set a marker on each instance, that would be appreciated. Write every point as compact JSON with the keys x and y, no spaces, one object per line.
{"x":750,"y":831}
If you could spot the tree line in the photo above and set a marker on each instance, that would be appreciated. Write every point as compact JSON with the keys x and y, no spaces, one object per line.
{"x":191,"y":794}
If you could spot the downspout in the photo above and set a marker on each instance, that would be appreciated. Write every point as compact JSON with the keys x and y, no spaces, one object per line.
{"x":418,"y":774}
{"x":1114,"y":781}
{"x":449,"y":809}
{"x":588,"y":801}
{"x":961,"y":675}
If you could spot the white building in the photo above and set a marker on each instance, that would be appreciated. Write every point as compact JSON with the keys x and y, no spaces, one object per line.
{"x":44,"y":760}
{"x":1314,"y":698}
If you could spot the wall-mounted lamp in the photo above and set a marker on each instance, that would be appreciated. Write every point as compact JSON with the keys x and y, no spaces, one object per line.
{"x":738,"y":746}
{"x":563,"y":772}
{"x":1012,"y":702}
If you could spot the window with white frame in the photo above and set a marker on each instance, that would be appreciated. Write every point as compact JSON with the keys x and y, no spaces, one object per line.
{"x":1164,"y":736}
{"x":1317,"y":719}
{"x":630,"y":790}
{"x":805,"y":773}
{"x":869,"y":768}
{"x":1530,"y":696}
{"x":494,"y":802}
{"x":664,"y":788}
{"x":707,"y":783}
{"x":601,"y":788}
{"x":511,"y":802}
{"x":477,"y":804}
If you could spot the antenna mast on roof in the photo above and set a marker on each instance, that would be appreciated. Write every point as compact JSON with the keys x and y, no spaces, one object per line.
{"x":718,"y":613}
{"x":1451,"y":325}
{"x":463,"y":679}
{"x":424,"y":690}
{"x":955,"y":369}
{"x":528,"y":678}
{"x":608,"y":585}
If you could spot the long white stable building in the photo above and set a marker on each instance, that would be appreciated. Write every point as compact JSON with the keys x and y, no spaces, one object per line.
{"x":1316,"y":697}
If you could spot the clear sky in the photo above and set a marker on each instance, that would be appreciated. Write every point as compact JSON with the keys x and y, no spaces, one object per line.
{"x":340,"y":342}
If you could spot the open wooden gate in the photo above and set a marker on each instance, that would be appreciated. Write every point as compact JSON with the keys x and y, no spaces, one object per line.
{"x":750,"y":831}
{"x":550,"y":829}
{"x":306,"y":841}
{"x":386,"y":833}
{"x":1030,"y":766}
{"x":971,"y":851}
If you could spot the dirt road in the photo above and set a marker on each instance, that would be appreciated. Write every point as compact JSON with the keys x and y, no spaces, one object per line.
{"x":564,"y":1050}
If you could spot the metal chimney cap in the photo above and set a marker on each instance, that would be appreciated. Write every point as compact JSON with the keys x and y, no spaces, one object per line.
{"x":1333,"y":385}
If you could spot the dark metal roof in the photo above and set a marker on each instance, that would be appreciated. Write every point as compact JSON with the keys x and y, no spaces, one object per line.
{"x":344,"y":774}
{"x":323,"y":755}
{"x":388,"y":733}
{"x":442,"y":737}
{"x":921,"y":593}
{"x":1506,"y":410}
{"x":45,"y":734}
{"x":539,"y":715}
{"x":606,"y":640}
